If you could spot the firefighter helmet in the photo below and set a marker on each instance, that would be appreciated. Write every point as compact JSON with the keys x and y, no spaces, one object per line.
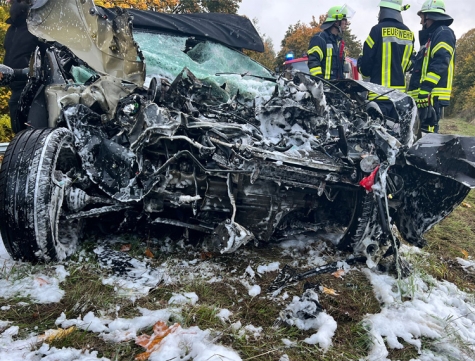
{"x":391,"y":4}
{"x":337,"y":13}
{"x":433,"y":6}
{"x":435,"y":10}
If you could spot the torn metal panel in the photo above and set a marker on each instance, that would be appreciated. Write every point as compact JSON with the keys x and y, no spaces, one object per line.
{"x":105,"y":45}
{"x":452,"y":156}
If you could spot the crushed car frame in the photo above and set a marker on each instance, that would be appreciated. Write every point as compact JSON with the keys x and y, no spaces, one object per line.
{"x":214,"y":143}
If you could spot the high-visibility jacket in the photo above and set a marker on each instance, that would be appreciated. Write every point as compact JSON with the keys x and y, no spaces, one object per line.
{"x":434,"y":63}
{"x":326,"y":55}
{"x":387,"y":55}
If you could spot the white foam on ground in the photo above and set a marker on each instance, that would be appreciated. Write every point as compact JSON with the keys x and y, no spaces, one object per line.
{"x":437,"y":311}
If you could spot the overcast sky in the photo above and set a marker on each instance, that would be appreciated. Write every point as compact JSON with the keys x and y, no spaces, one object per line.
{"x":275,"y":16}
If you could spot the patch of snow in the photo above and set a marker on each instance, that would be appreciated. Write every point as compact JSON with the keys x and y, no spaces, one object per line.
{"x":289,"y":343}
{"x":132,"y":278}
{"x":3,"y":252}
{"x":4,"y":324}
{"x":271,"y":267}
{"x":192,"y":343}
{"x":250,"y":271}
{"x":437,"y":310}
{"x":253,"y":290}
{"x":14,"y":350}
{"x":224,"y":315}
{"x":119,"y":329}
{"x":304,"y":313}
{"x":467,"y":265}
{"x":183,"y":299}
{"x":236,"y":325}
{"x":40,"y":287}
{"x":255,"y":331}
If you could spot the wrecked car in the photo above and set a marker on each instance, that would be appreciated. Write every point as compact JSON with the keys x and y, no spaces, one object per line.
{"x":141,"y":121}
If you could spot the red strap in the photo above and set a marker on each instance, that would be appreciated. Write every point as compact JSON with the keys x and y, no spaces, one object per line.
{"x":342,"y":48}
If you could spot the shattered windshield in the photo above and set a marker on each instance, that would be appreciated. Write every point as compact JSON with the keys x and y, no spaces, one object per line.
{"x":166,"y":56}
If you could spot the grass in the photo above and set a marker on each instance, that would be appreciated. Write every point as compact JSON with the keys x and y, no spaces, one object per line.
{"x":453,"y":237}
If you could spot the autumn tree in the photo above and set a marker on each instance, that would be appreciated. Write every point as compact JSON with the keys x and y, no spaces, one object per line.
{"x":5,"y":130}
{"x":176,"y":6}
{"x":464,"y":77}
{"x":296,"y":39}
{"x":352,"y":44}
{"x":266,"y":58}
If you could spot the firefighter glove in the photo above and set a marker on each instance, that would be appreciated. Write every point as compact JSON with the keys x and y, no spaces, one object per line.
{"x":423,"y":100}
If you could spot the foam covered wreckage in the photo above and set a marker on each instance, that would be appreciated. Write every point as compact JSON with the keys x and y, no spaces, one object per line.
{"x":216,"y":145}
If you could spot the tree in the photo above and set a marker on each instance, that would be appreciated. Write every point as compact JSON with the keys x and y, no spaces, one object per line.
{"x":353,"y":46}
{"x":464,"y":77}
{"x":296,"y":39}
{"x":5,"y":131}
{"x":267,"y":58}
{"x":176,"y":6}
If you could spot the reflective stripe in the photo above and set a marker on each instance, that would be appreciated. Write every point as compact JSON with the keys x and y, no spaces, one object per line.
{"x":390,"y":39}
{"x":386,"y":65}
{"x":442,"y":46}
{"x":413,"y":93}
{"x":443,"y":93}
{"x":370,"y":42}
{"x":406,"y":59}
{"x":328,"y":64}
{"x":425,"y":64}
{"x":432,"y":77}
{"x":316,"y":71}
{"x":316,"y":49}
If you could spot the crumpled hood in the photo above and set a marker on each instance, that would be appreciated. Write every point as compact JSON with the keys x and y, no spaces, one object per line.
{"x":106,"y":46}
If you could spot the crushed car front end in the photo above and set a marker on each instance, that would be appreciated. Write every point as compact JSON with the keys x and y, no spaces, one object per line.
{"x":214,"y":144}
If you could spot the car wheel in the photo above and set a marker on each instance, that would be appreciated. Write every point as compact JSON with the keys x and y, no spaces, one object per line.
{"x":34,"y":178}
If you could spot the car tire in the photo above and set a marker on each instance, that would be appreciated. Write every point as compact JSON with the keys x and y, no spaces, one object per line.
{"x":32,"y":188}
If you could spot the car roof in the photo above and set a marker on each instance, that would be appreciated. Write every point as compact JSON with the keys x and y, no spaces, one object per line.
{"x":229,"y":29}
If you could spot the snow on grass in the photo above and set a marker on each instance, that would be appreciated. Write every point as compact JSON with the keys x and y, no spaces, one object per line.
{"x":182,"y":299}
{"x":118,"y":329}
{"x":224,"y":315}
{"x":467,"y":264}
{"x":132,"y":278}
{"x":192,"y":342}
{"x":270,"y":267}
{"x":253,"y":290}
{"x":14,"y":350}
{"x":306,"y":314}
{"x":436,"y":310}
{"x":39,"y":286}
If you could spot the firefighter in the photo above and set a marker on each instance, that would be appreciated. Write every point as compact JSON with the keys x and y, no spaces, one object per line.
{"x":326,"y":51}
{"x":19,"y":44}
{"x":431,"y":81}
{"x":387,"y":53}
